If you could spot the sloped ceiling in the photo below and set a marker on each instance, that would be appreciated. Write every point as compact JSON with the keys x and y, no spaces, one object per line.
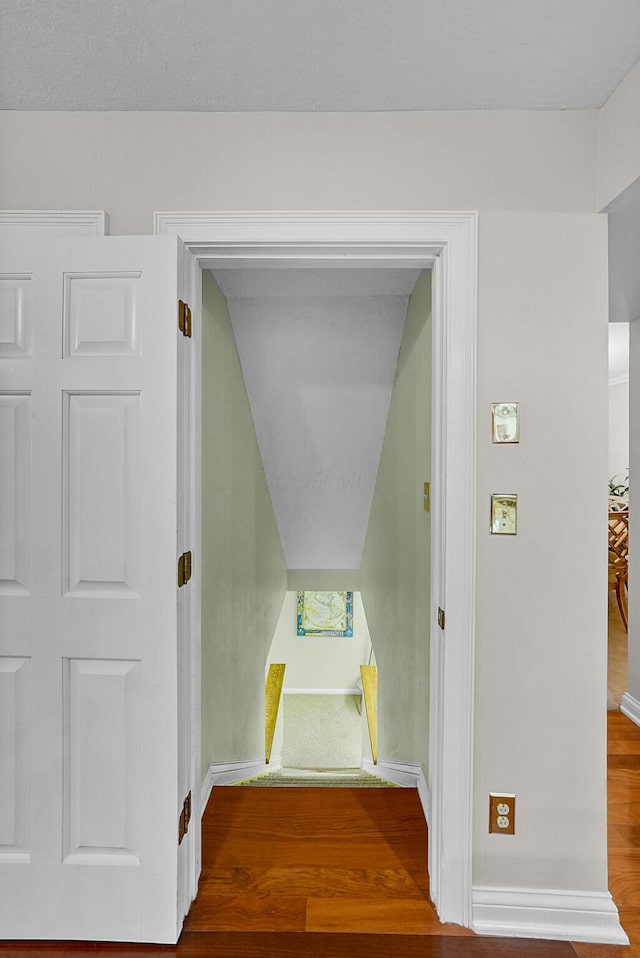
{"x":314,"y":55}
{"x":624,"y":243}
{"x":318,"y":350}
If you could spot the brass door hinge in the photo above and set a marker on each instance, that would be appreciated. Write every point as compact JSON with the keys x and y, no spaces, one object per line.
{"x":185,"y":818}
{"x":427,"y":497}
{"x":187,"y":812}
{"x":184,"y":319}
{"x":441,"y":618}
{"x":184,"y":569}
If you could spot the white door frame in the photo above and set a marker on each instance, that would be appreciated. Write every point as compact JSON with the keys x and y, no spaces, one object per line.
{"x":446,"y":243}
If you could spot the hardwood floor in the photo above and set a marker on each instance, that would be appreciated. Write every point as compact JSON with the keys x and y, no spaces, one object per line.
{"x":297,"y":871}
{"x":624,"y":834}
{"x":314,"y":859}
{"x":246,"y":944}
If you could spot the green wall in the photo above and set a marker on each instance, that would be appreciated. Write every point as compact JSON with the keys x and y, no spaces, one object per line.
{"x":395,"y":572}
{"x":244,"y":576}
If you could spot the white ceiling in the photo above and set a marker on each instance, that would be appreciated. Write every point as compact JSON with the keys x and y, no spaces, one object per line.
{"x":314,"y":55}
{"x":319,"y":349}
{"x":256,"y":282}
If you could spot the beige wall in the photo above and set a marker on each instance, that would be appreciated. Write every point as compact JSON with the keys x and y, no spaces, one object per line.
{"x":396,"y":568}
{"x":619,"y":139}
{"x":541,"y":595}
{"x":244,"y":577}
{"x":132,"y":164}
{"x":541,"y":631}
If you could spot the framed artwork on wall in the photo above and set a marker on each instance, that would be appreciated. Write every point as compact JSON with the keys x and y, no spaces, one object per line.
{"x":325,"y":613}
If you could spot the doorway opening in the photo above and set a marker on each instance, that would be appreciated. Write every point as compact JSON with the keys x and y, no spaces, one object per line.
{"x":318,"y":474}
{"x":446,"y":244}
{"x":336,"y":364}
{"x":618,"y":526}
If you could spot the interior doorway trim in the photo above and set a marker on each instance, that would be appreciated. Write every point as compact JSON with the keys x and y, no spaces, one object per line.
{"x":446,"y":243}
{"x":54,"y":222}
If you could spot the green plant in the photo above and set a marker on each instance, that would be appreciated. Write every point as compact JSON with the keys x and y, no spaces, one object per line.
{"x":619,"y":488}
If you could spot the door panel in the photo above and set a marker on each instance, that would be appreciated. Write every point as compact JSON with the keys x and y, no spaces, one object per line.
{"x":101,"y":802}
{"x":101,"y":493}
{"x":15,"y":481}
{"x":100,"y":314}
{"x":89,"y":745}
{"x":15,"y":760}
{"x":15,"y":316}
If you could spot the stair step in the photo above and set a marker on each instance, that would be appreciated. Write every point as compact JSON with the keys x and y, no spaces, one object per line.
{"x":327,"y":777}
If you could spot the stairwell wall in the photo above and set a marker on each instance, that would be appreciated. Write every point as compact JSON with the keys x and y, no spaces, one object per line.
{"x":395,"y":570}
{"x":244,"y":576}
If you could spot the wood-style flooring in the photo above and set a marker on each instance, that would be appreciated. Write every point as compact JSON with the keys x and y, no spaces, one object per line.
{"x":340,"y":873}
{"x":314,"y":859}
{"x":624,"y":834}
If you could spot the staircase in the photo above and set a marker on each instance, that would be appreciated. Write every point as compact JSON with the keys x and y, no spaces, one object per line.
{"x":316,"y":777}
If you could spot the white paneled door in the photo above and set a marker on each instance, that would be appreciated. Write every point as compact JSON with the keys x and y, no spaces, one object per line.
{"x":94,"y":755}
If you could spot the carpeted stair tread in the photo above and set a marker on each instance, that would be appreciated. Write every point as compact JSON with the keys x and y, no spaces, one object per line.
{"x":327,"y":777}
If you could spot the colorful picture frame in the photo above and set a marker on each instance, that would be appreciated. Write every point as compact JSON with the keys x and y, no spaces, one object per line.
{"x":325,"y":613}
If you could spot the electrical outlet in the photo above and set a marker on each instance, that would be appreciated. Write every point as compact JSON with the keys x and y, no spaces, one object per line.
{"x":502,"y":814}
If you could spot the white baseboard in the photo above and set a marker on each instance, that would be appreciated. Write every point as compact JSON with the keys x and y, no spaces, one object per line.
{"x":546,"y":913}
{"x":425,"y":797}
{"x":225,"y":773}
{"x":630,"y":707}
{"x":400,"y":773}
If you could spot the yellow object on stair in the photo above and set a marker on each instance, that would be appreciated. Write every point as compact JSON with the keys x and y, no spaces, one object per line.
{"x":272,"y":693}
{"x":369,"y":675}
